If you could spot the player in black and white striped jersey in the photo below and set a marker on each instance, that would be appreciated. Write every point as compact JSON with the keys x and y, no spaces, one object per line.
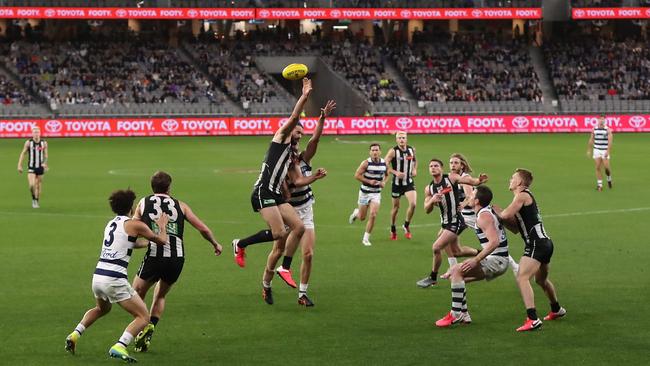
{"x":302,"y":199}
{"x":599,"y":147}
{"x":523,"y":216}
{"x":373,"y":174}
{"x":490,"y":263}
{"x":404,"y":167}
{"x":162,"y":265}
{"x":444,"y":192}
{"x":267,"y":198}
{"x":36,"y":149}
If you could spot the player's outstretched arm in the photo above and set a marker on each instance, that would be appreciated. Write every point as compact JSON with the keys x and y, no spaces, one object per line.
{"x":22,"y":155}
{"x":468,"y":179}
{"x":284,"y":132}
{"x":205,"y":231}
{"x":610,"y":136}
{"x":312,"y":145}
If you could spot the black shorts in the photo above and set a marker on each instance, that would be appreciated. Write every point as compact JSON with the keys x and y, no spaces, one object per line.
{"x":456,"y":228}
{"x":398,"y":191}
{"x":262,"y":198}
{"x":539,"y":249}
{"x":37,"y":171}
{"x":153,"y":269}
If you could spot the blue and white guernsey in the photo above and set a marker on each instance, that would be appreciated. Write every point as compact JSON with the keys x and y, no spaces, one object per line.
{"x":502,"y":249}
{"x":116,"y":250}
{"x":374,"y":171}
{"x":601,"y":138}
{"x":302,"y":196}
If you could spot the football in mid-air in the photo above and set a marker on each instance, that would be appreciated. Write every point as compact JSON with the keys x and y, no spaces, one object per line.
{"x":295,"y":71}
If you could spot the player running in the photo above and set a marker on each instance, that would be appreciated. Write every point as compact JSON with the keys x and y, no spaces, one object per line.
{"x":372,"y":173}
{"x":36,"y":148}
{"x":404,"y":167}
{"x":599,"y":147}
{"x":110,"y":283}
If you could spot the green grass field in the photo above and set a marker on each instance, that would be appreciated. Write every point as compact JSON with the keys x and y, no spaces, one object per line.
{"x":368,"y":310}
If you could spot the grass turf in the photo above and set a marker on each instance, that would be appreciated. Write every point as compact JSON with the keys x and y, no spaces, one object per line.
{"x":368,"y":309}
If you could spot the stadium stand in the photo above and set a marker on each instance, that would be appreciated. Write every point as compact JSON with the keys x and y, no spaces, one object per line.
{"x":592,"y":73}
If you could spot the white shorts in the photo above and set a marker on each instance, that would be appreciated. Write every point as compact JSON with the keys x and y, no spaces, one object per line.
{"x":112,"y":290}
{"x":600,"y":154}
{"x":306,"y":214}
{"x":366,"y":198}
{"x":494,"y":266}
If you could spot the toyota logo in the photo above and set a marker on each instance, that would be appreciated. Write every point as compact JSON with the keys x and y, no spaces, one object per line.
{"x":53,"y":126}
{"x":579,"y":13}
{"x":520,"y":122}
{"x":169,"y":125}
{"x":50,"y":13}
{"x":477,"y":13}
{"x":120,"y":13}
{"x":406,"y":14}
{"x":404,"y":123}
{"x":335,"y":13}
{"x":192,"y":13}
{"x":637,"y":121}
{"x":264,"y":13}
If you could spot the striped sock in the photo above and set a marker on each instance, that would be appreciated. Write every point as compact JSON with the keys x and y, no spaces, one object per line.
{"x":80,"y":329}
{"x":457,"y":298}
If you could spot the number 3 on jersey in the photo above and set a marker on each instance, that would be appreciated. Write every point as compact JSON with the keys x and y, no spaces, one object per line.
{"x":109,"y":240}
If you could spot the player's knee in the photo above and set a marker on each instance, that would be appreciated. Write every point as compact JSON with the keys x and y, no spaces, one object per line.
{"x":279,"y":233}
{"x":299,"y":229}
{"x":307,"y":256}
{"x":373,"y":214}
{"x":541,"y":282}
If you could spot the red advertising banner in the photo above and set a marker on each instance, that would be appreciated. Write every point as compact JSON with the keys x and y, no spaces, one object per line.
{"x":269,"y":13}
{"x":77,"y":127}
{"x":610,"y":13}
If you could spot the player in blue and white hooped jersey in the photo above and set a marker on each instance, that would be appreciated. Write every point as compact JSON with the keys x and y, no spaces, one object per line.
{"x":460,"y":165}
{"x":599,"y":147}
{"x":523,"y":216}
{"x":301,"y":198}
{"x":110,"y":283}
{"x":373,"y":174}
{"x":37,"y":152}
{"x":444,"y":192}
{"x":490,"y":263}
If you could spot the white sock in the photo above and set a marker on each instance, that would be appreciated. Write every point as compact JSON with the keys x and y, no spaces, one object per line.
{"x":452,"y":261}
{"x":126,"y":338}
{"x":266,"y":284}
{"x":609,"y":178}
{"x":80,"y":329}
{"x":458,"y":298}
{"x":600,"y":182}
{"x":366,"y":236}
{"x":302,"y":289}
